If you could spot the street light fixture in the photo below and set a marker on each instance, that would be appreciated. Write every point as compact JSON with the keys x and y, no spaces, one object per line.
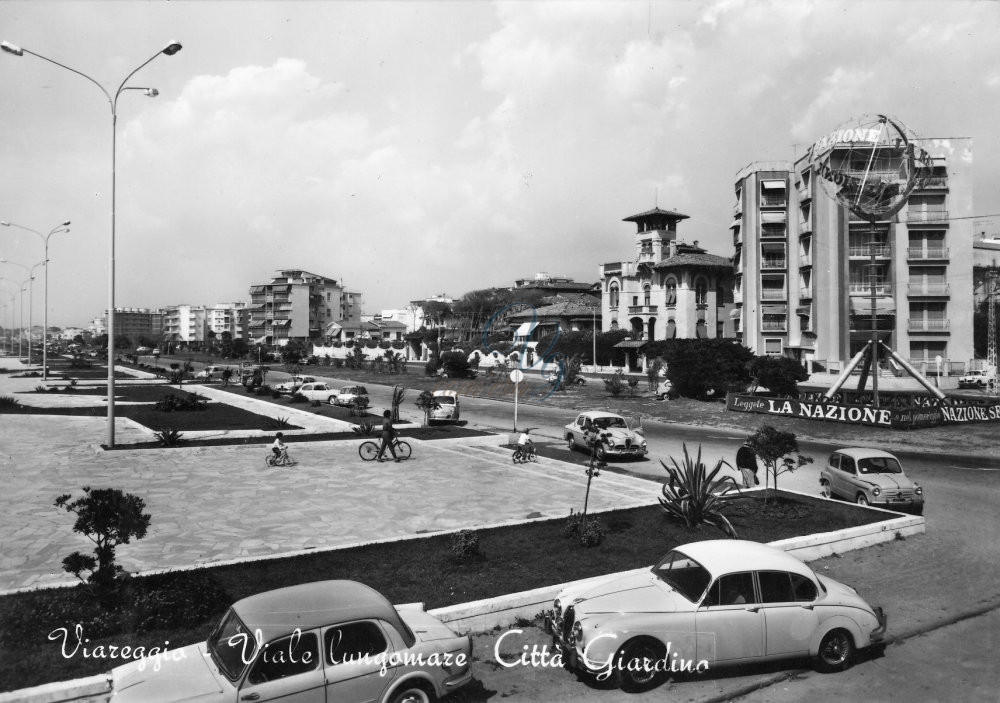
{"x":64,"y":227}
{"x":170,"y":49}
{"x":30,"y":281}
{"x":20,"y":292}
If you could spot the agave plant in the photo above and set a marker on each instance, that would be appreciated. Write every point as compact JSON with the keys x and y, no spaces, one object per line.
{"x":169,"y":437}
{"x":695,"y":495}
{"x":280,"y":422}
{"x":365,"y":428}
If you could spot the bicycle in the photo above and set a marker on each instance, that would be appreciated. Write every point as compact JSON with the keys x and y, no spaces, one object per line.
{"x":369,"y":450}
{"x":282,"y":459}
{"x":523,"y":455}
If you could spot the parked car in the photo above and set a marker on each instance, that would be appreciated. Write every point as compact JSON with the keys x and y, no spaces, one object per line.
{"x":209,"y":372}
{"x":975,"y":379}
{"x":346,"y":396}
{"x":143,"y":350}
{"x":317,"y":391}
{"x":665,"y":390}
{"x":293,"y":383}
{"x":871,"y":477}
{"x":327,"y":640}
{"x":448,"y":407}
{"x":707,"y":605}
{"x":615,"y":438}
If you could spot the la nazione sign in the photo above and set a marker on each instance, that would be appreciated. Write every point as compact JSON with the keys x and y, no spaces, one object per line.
{"x":892,"y":417}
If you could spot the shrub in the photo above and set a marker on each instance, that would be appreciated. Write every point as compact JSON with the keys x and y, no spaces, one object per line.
{"x":616,"y":384}
{"x":9,"y":402}
{"x":593,"y":532}
{"x":465,"y":545}
{"x":371,"y":343}
{"x":172,"y":403}
{"x":456,"y":365}
{"x":385,"y":344}
{"x":338,"y":363}
{"x":175,"y":600}
{"x":280,"y":422}
{"x":338,"y":345}
{"x":694,"y":495}
{"x":431,"y":367}
{"x":315,"y":404}
{"x":298,"y":398}
{"x":778,"y":374}
{"x":169,"y":437}
{"x":107,"y":517}
{"x":364,"y":429}
{"x":706,"y":368}
{"x":633,"y":383}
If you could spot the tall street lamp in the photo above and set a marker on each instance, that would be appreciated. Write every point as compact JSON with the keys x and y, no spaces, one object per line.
{"x":64,"y":227}
{"x":20,"y":291}
{"x":10,"y":309}
{"x":30,"y":281}
{"x":170,"y":49}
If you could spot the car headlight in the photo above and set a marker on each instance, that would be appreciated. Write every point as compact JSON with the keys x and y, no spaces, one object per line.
{"x":557,"y":607}
{"x":918,"y":490}
{"x":577,"y":632}
{"x":876,"y":491}
{"x":643,"y":443}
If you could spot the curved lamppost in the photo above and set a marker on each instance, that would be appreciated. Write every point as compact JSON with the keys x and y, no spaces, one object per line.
{"x":10,"y":309}
{"x":30,"y":281}
{"x":170,"y":49}
{"x":21,"y":288}
{"x":64,"y":227}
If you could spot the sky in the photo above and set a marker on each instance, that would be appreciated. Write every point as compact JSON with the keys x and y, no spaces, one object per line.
{"x":410,"y":149}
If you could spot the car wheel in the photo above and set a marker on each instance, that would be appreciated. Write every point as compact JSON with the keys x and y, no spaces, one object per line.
{"x":571,"y":442}
{"x":835,"y":651}
{"x":824,"y":488}
{"x":332,"y":400}
{"x":411,"y":694}
{"x":636,"y":669}
{"x":601,"y":453}
{"x":862,"y":499}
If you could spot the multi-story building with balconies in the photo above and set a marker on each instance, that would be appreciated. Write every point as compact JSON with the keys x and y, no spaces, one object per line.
{"x":808,"y":269}
{"x":299,"y":305}
{"x":671,"y":289}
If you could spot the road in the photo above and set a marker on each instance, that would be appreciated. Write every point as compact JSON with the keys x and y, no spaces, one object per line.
{"x":924,"y":583}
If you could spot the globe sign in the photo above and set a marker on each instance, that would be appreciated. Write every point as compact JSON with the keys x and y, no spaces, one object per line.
{"x":871,"y":165}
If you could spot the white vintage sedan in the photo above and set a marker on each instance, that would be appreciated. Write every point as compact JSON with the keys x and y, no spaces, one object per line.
{"x":317,"y":391}
{"x":707,"y":605}
{"x":322,"y":641}
{"x":614,"y":437}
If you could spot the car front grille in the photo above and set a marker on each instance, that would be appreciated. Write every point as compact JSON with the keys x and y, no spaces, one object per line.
{"x":567,"y":624}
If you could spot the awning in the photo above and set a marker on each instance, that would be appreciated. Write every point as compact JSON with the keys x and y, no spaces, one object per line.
{"x":524,"y":329}
{"x":738,"y":222}
{"x":773,"y":185}
{"x":863,"y":306}
{"x":631,"y":344}
{"x":257,"y":290}
{"x":804,"y":310}
{"x":281,"y":323}
{"x":736,"y":313}
{"x":773,"y":217}
{"x":671,"y":330}
{"x":774,"y":309}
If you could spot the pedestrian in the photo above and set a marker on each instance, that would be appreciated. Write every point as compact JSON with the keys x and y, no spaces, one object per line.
{"x":388,"y":437}
{"x":746,"y":462}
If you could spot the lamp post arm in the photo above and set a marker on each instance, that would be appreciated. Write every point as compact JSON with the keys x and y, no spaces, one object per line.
{"x":122,"y":86}
{"x":73,"y":70}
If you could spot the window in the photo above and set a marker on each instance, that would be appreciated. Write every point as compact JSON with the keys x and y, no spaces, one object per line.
{"x":847,"y":465}
{"x":671,"y":292}
{"x":635,"y":300}
{"x":645,"y":295}
{"x":613,"y":295}
{"x":286,"y":657}
{"x":772,"y":347}
{"x":732,"y":589}
{"x":775,"y":587}
{"x":701,"y":292}
{"x":350,"y":643}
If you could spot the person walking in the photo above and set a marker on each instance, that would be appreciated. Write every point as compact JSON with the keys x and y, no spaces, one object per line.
{"x":746,"y":462}
{"x":388,"y":435}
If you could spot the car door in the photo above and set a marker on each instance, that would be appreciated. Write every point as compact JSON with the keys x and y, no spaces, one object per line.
{"x":789,"y":617}
{"x":729,"y":621}
{"x":287,"y":669}
{"x":833,"y":474}
{"x":356,"y":656}
{"x":848,"y":476}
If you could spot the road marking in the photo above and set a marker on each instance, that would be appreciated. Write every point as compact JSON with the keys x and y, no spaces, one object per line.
{"x":972,"y":468}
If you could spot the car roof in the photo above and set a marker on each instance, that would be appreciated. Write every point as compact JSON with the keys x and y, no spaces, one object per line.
{"x":594,"y":414}
{"x":451,"y":394}
{"x":311,"y":605}
{"x":725,"y":556}
{"x":864,"y":452}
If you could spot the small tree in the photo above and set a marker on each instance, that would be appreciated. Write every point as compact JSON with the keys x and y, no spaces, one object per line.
{"x":427,"y":402}
{"x":633,"y":383}
{"x":774,"y":447}
{"x":616,"y":384}
{"x":107,"y":517}
{"x":653,"y":374}
{"x":778,"y":374}
{"x":397,"y":399}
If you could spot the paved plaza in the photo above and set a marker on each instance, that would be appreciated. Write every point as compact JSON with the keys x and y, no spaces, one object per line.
{"x":212,"y":504}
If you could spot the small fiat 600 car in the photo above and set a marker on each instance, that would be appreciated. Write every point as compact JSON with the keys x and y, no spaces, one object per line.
{"x":706,"y":605}
{"x":447,"y":407}
{"x":870,"y":477}
{"x":322,"y":641}
{"x":613,"y":435}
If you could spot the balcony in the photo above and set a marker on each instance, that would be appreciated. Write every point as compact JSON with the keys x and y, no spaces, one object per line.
{"x":737,"y":209}
{"x":738,"y":296}
{"x":882,"y":251}
{"x":773,"y":325}
{"x":772,"y":294}
{"x":935,"y":183}
{"x":921,"y":325}
{"x":805,"y":227}
{"x":805,"y":260}
{"x":919,"y":254}
{"x":805,"y":192}
{"x":642,"y":309}
{"x":805,"y":292}
{"x":882,"y":290}
{"x":774,"y":200}
{"x":931,"y":289}
{"x":937,"y":217}
{"x":773,"y":263}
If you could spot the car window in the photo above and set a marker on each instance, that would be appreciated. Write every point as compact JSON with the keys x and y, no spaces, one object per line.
{"x":731,"y":589}
{"x":879,"y":465}
{"x":775,"y":587}
{"x":352,"y":642}
{"x":834,"y":461}
{"x":847,"y":464}
{"x":231,"y":645}
{"x":288,"y":656}
{"x":683,"y":574}
{"x":803,"y":588}
{"x":580,"y":420}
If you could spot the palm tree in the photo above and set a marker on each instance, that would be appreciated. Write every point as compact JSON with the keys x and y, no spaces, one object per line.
{"x":427,"y":402}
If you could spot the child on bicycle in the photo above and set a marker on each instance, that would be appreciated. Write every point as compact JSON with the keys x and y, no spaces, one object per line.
{"x":279,"y":447}
{"x":388,"y":437}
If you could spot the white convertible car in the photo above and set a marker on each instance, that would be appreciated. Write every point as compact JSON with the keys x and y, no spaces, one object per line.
{"x":706,"y":605}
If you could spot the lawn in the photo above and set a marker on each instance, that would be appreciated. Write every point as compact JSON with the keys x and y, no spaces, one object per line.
{"x":513,"y":558}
